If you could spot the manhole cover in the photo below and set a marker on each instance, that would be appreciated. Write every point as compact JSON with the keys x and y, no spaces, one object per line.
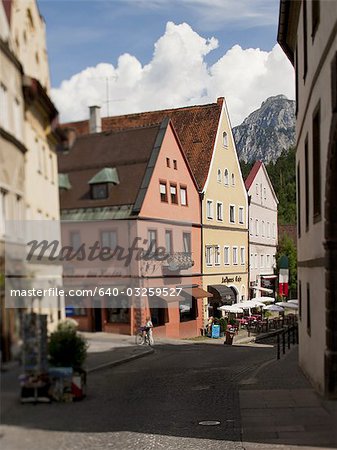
{"x":209,"y":422}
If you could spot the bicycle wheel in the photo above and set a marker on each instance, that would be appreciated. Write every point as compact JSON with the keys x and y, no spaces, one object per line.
{"x":139,"y":339}
{"x":151,"y":341}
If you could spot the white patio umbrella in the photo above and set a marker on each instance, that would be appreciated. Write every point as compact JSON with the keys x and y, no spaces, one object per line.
{"x":265,"y":299}
{"x":250,"y":304}
{"x":294,"y":301}
{"x":273,"y":308}
{"x":231,"y":308}
{"x":287,"y":305}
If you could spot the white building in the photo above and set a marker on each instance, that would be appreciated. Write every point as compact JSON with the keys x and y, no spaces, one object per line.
{"x":263,"y":235}
{"x":308,"y":35}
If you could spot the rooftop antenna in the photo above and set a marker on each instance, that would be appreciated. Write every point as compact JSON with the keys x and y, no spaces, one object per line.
{"x":107,"y":92}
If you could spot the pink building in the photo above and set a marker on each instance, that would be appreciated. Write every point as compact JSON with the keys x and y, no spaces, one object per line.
{"x":116,"y":187}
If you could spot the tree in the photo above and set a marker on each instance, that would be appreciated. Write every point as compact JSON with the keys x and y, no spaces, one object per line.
{"x":287,"y":247}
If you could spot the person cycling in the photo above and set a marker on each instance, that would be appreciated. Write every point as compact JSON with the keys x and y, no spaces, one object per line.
{"x":148,"y":329}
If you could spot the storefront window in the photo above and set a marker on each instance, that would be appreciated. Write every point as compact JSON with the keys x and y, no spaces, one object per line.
{"x":120,"y":314}
{"x":188,"y":309}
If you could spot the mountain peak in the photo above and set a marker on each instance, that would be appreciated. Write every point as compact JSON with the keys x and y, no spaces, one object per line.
{"x":266,"y":132}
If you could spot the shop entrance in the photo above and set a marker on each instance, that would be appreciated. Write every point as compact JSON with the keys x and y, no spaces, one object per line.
{"x":97,"y":312}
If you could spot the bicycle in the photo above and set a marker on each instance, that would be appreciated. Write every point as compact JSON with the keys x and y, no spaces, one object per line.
{"x":143,"y":337}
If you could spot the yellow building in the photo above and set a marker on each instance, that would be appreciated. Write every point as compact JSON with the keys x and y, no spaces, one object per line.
{"x":224,"y":223}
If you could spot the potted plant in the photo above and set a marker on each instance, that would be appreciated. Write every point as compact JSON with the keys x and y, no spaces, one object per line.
{"x":223,"y":326}
{"x":67,"y":353}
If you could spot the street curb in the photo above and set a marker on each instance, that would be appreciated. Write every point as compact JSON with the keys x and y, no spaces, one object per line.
{"x":120,"y":361}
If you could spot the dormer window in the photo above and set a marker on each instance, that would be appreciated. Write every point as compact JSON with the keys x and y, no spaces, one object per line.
{"x":225,"y":139}
{"x":99,"y":191}
{"x":99,"y":184}
{"x":63,"y":182}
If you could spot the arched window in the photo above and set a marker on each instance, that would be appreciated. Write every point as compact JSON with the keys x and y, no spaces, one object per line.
{"x":219,"y":175}
{"x":225,"y":139}
{"x":226,"y":177}
{"x":233,"y":179}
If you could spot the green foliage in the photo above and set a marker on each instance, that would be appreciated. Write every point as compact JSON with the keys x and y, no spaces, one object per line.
{"x":287,"y":247}
{"x":223,"y":324}
{"x":66,"y":347}
{"x":282,"y":174}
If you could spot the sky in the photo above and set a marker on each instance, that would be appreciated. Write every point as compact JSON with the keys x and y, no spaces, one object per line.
{"x":138,"y":55}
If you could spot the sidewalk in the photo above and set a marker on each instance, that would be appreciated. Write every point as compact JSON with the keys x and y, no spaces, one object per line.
{"x":279,"y":409}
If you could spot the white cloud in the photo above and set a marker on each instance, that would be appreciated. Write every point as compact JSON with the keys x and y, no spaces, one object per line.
{"x":178,"y":75}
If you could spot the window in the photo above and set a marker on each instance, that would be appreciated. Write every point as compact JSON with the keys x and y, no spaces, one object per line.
{"x":3,"y":210}
{"x":265,"y":193}
{"x":241,"y":215}
{"x":187,"y":242}
{"x":268,"y":229}
{"x":209,"y":209}
{"x":233,"y":179}
{"x":18,"y":119}
{"x":183,"y":196}
{"x":305,"y":39}
{"x":232,"y":214}
{"x":168,"y":241}
{"x":225,"y":139}
{"x":51,"y":165}
{"x":226,"y":255}
{"x":257,"y":188}
{"x":173,"y":191}
{"x":76,"y":306}
{"x":158,"y":311}
{"x":99,"y":191}
{"x":256,"y":261}
{"x":268,"y":261}
{"x":152,"y":240}
{"x":209,"y":256}
{"x":219,"y":176}
{"x":256,"y":227}
{"x":235,"y":255}
{"x":120,"y":314}
{"x":308,"y":310}
{"x":109,"y":239}
{"x":4,"y":106}
{"x":315,"y":16}
{"x":216,"y":255}
{"x":306,"y":181}
{"x":316,"y":161}
{"x":226,"y":177}
{"x":175,"y":167}
{"x":188,"y":309}
{"x":168,"y":162}
{"x":242,"y":255}
{"x":263,"y":228}
{"x":163,"y":192}
{"x":251,"y":226}
{"x":75,"y":240}
{"x":262,"y":261}
{"x":274,"y":231}
{"x":298,"y":200}
{"x":219,"y":211}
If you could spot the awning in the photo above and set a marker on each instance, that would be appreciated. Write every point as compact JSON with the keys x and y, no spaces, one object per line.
{"x":223,"y":293}
{"x":197,"y":292}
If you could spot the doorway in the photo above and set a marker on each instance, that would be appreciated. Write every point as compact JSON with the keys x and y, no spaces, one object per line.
{"x":97,"y":319}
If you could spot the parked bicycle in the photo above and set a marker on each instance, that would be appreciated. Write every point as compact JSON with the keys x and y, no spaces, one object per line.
{"x":143,"y":336}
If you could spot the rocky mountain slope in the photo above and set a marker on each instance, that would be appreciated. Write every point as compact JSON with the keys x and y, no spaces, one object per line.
{"x":266,"y":132}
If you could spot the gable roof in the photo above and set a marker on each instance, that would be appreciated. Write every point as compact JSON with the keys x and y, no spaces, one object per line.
{"x":252,"y":174}
{"x":196,"y":127}
{"x":128,"y":151}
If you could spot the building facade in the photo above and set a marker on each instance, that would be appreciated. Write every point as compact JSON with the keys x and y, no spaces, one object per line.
{"x":142,"y":190}
{"x":12,"y":165}
{"x":204,"y":132}
{"x":308,"y":35}
{"x":263,"y":229}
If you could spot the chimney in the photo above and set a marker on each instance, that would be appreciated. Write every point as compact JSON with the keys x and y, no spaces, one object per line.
{"x":95,"y":121}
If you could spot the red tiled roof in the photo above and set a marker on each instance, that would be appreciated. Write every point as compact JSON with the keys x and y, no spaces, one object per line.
{"x":252,"y":174}
{"x":196,"y":127}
